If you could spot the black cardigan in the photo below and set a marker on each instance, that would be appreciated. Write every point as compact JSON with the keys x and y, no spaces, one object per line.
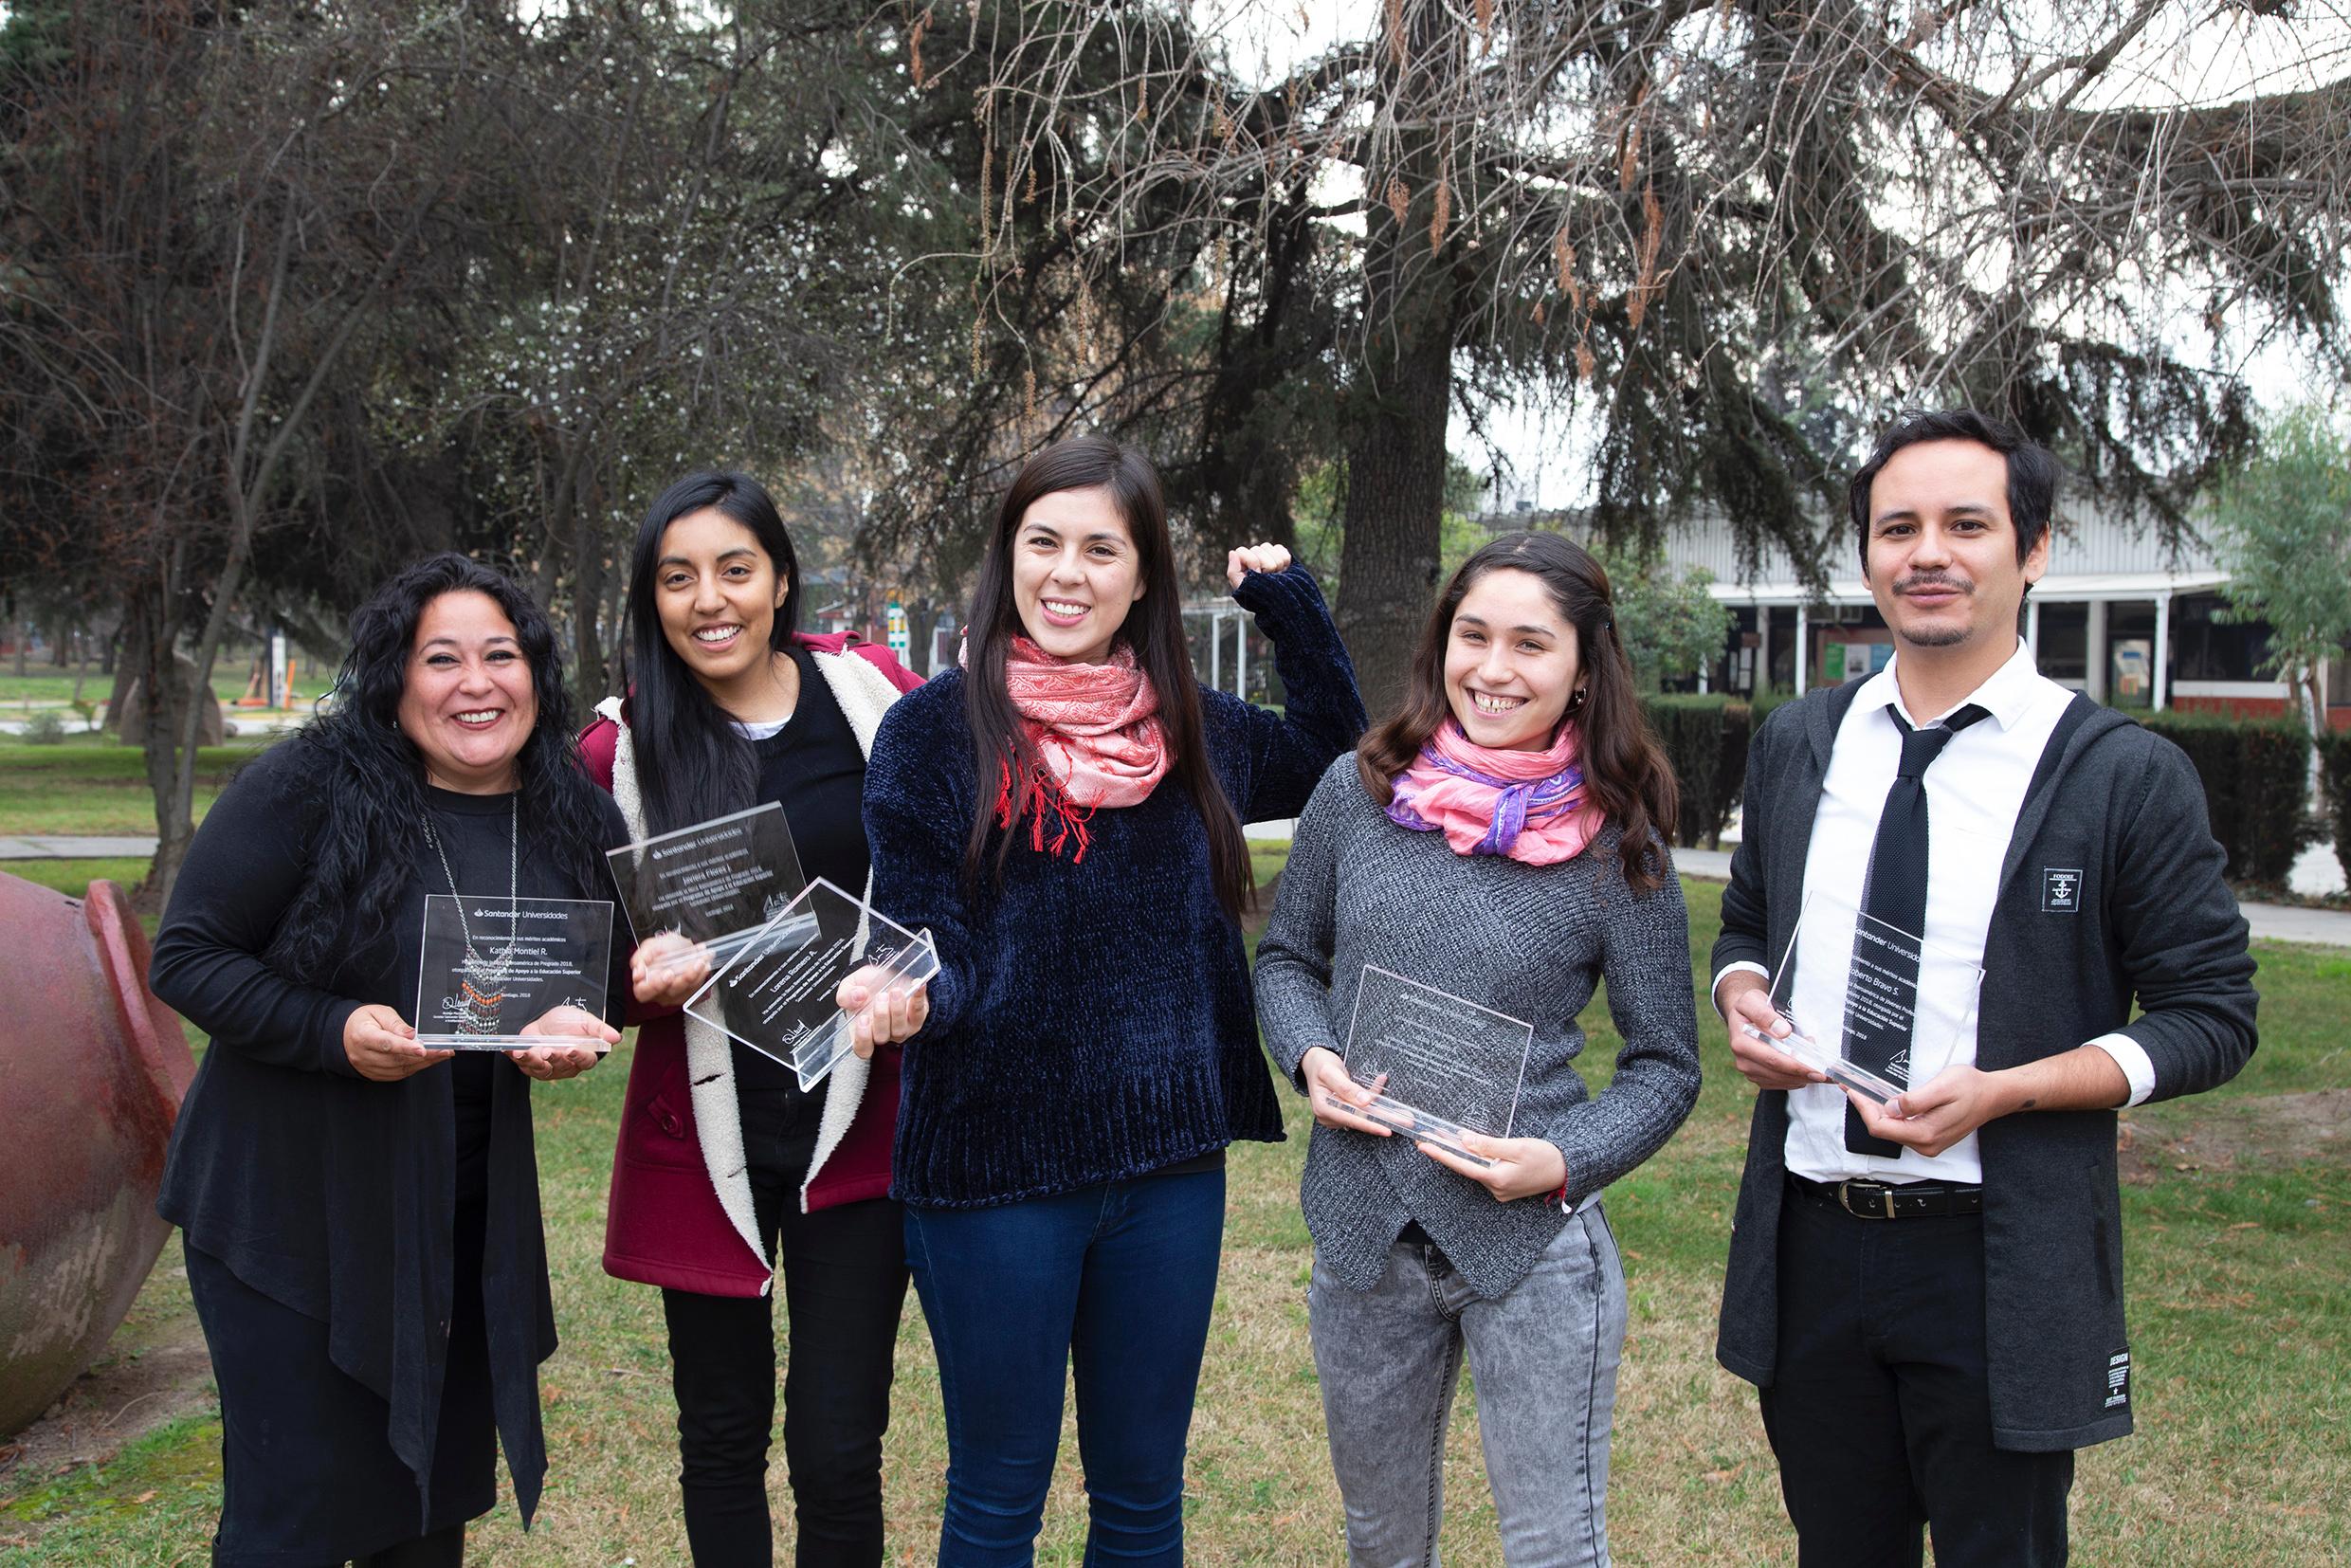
{"x":330,"y":1192}
{"x":2153,"y":919}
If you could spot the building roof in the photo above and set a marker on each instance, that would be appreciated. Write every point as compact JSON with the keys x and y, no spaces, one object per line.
{"x":2055,"y":588}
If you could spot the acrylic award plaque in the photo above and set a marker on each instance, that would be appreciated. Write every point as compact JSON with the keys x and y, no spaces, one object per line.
{"x":777,"y":992}
{"x":1438,"y":1066}
{"x":1888,"y":982}
{"x":715,"y":883}
{"x":491,"y":965}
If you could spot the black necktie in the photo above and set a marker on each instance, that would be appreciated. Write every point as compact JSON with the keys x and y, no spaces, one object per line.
{"x":1895,"y":892}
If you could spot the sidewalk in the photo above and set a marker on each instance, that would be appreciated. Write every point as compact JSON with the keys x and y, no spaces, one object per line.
{"x":47,"y":847}
{"x":2274,"y":922}
{"x":2270,"y":922}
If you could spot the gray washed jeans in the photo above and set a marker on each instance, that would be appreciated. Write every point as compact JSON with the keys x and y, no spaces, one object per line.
{"x":1544,"y":1360}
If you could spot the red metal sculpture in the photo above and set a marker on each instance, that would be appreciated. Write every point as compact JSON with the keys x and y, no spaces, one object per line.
{"x":92,"y":1068}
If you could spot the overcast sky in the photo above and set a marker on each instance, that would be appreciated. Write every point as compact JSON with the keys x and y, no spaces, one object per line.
{"x":2198,"y":52}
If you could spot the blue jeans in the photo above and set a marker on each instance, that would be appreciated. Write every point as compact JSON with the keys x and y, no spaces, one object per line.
{"x":1544,"y":1356}
{"x":1114,"y":1281}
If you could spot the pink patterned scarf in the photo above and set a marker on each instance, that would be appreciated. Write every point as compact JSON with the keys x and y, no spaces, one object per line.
{"x":1530,"y":806}
{"x":1098,"y":739}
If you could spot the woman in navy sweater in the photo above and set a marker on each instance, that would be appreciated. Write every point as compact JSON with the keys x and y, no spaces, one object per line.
{"x":1091,"y":1047}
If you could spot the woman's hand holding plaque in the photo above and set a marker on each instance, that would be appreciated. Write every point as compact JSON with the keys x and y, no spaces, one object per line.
{"x":667,"y":968}
{"x":885,"y":1008}
{"x":381,"y":1046}
{"x":549,"y":1063}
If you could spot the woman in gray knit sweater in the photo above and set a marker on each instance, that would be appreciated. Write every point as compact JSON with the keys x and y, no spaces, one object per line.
{"x":1502,"y":839}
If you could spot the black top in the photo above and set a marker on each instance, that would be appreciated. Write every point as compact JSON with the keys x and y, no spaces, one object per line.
{"x":329,"y":1193}
{"x":815,"y":771}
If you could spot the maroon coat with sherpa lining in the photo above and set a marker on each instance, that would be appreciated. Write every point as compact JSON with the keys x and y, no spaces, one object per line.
{"x":665,"y":1225}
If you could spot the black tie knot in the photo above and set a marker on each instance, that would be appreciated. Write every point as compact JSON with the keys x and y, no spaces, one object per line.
{"x":1920,"y":747}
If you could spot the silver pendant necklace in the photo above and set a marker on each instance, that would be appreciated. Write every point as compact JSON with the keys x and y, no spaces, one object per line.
{"x":484,"y":986}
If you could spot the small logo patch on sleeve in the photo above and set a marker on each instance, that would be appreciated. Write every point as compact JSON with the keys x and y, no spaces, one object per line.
{"x":2118,"y":1380}
{"x":2061,"y":889}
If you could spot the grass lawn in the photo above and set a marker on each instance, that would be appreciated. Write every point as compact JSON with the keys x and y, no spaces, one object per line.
{"x":97,"y":786}
{"x":2238,"y":1253}
{"x":44,"y":685}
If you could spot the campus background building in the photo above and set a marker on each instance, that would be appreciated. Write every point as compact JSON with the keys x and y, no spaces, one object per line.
{"x":2118,"y":615}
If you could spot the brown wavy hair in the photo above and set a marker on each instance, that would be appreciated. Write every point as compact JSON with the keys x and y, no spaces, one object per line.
{"x":1154,"y":629}
{"x":1626,"y":773}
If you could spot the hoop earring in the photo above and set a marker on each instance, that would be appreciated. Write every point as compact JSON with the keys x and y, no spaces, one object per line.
{"x":1576,"y":703}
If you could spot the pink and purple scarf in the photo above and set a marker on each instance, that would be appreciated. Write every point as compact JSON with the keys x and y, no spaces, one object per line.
{"x":1527,"y":805}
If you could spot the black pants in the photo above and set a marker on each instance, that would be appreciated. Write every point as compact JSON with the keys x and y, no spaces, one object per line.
{"x":1881,"y":1411}
{"x":844,"y":1286}
{"x":307,"y":1474}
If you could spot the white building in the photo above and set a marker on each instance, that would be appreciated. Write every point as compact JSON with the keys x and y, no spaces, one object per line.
{"x":2117,"y":616}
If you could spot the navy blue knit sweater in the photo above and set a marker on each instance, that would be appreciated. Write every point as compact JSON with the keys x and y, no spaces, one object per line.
{"x":1091,"y":1022}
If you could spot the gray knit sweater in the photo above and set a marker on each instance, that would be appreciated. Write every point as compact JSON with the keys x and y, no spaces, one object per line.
{"x":1529,"y":941}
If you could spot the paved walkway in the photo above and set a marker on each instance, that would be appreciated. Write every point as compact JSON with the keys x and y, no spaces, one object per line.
{"x":2274,"y":922}
{"x":2277,"y":922}
{"x":47,"y":848}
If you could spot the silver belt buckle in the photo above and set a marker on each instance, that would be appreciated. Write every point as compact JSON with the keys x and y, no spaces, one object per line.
{"x":1845,"y":1198}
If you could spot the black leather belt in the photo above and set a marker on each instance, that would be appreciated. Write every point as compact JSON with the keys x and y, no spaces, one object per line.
{"x":1866,"y":1199}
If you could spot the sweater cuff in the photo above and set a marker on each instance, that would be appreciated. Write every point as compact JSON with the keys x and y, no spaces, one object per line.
{"x":2135,"y":1064}
{"x":332,"y":1057}
{"x":1279,"y":596}
{"x":1714,"y":987}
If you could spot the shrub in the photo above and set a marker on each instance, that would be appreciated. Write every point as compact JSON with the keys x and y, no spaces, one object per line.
{"x":2336,"y":751}
{"x":1705,"y":739}
{"x":44,"y":729}
{"x":1763,"y":702}
{"x":2254,"y":772}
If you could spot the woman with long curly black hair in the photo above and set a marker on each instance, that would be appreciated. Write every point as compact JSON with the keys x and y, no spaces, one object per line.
{"x":361,"y":1213}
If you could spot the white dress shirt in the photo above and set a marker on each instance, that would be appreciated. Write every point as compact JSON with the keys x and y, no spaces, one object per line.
{"x":1974,"y":791}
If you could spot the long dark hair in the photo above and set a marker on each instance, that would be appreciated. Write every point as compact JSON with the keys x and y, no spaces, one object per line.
{"x":1154,"y":629}
{"x":692,"y":764}
{"x":1626,"y":773}
{"x":374,"y":778}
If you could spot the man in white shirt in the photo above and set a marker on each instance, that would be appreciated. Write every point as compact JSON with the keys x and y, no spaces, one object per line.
{"x":1957,"y":876}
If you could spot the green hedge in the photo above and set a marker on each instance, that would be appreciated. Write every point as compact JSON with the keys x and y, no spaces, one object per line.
{"x":2254,"y":772}
{"x":1705,"y":739}
{"x":2336,"y":751}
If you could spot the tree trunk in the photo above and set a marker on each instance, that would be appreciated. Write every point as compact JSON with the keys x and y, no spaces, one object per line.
{"x":121,"y":668}
{"x":922,"y":634}
{"x":1398,"y":399}
{"x":616,"y":621}
{"x":2314,"y":792}
{"x":1395,"y":499}
{"x":150,"y":638}
{"x":587,"y":601}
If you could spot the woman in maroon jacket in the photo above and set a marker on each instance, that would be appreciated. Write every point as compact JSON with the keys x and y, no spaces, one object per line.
{"x":725,"y":1166}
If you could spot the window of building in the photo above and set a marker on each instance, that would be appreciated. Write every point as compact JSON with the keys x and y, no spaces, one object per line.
{"x":2062,"y":649}
{"x":2205,"y":648}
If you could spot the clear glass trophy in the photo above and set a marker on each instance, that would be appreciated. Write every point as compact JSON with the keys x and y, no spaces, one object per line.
{"x":716,"y":884}
{"x":1893,"y":982}
{"x":491,"y":965}
{"x":777,"y":992}
{"x":1437,"y":1066}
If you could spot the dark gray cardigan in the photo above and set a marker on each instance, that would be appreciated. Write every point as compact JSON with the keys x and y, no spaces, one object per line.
{"x":2151,"y":918}
{"x":1529,"y":941}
